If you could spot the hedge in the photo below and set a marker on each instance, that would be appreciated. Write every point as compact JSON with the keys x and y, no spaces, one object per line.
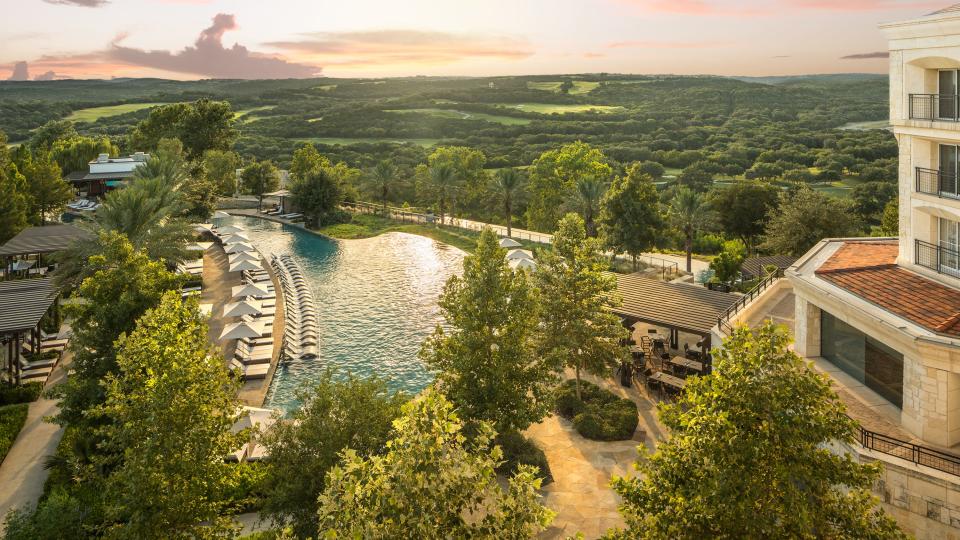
{"x":519,"y":450}
{"x":11,"y":394}
{"x":600,"y":415}
{"x":12,"y":418}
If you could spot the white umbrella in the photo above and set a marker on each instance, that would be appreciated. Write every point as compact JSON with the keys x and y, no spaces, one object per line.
{"x":238,"y":247}
{"x":245,"y":307}
{"x":509,"y":243}
{"x":22,"y":265}
{"x":230,"y":229}
{"x":515,"y":254}
{"x":243,"y":256}
{"x":245,"y":265}
{"x":220,"y":215}
{"x":199,"y":246}
{"x":523,"y":264}
{"x":233,"y":238}
{"x":202,"y":227}
{"x":249,"y":290}
{"x":242,"y":330}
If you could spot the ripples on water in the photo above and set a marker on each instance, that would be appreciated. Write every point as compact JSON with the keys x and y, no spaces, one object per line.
{"x":377,"y":301}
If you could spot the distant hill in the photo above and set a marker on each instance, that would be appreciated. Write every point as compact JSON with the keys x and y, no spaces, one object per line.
{"x":834,"y":78}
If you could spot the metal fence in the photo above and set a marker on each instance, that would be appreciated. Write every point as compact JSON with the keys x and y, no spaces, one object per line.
{"x":940,"y":259}
{"x":934,"y":182}
{"x":723,"y":320}
{"x":914,"y":453}
{"x":944,"y":107}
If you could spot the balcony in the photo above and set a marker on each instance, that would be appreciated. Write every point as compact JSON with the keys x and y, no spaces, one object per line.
{"x":935,"y":107}
{"x":938,"y":183}
{"x":940,"y":259}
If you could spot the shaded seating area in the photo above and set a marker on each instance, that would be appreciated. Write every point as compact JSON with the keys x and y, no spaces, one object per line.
{"x":670,"y":327}
{"x":29,"y":354}
{"x":23,"y":255}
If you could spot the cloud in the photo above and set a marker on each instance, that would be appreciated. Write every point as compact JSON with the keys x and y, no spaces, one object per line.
{"x":79,"y":3}
{"x":48,"y":76}
{"x":20,"y":72}
{"x":865,"y":56}
{"x":594,"y":55}
{"x":208,"y":57}
{"x":385,"y":47}
{"x":864,"y":5}
{"x":654,"y":44}
{"x":750,"y":8}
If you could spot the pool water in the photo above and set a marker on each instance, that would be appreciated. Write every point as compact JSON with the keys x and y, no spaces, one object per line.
{"x":377,"y":302}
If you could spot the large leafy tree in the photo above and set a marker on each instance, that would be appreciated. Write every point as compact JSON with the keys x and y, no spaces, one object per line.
{"x":585,"y":199}
{"x":13,"y":195}
{"x":510,"y":185}
{"x":336,"y":414}
{"x":807,"y":217}
{"x":49,"y":193}
{"x":220,"y":168}
{"x":553,"y":178}
{"x":578,"y":330}
{"x":432,"y":482}
{"x":870,"y":198}
{"x":74,"y":153}
{"x":318,"y":196}
{"x":169,"y":409}
{"x":687,"y":213}
{"x":306,"y":160}
{"x":202,"y":125}
{"x":123,"y":283}
{"x":44,"y":137}
{"x":748,"y":455}
{"x":487,"y":361}
{"x":630,"y":216}
{"x":260,"y":177}
{"x":742,"y":208}
{"x":472,"y":182}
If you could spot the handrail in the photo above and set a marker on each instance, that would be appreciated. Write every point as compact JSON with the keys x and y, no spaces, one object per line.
{"x":944,"y":107}
{"x":914,"y":453}
{"x":938,"y":258}
{"x":723,"y":320}
{"x":935,"y":182}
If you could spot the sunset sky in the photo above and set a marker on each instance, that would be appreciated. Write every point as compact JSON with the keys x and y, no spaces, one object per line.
{"x":191,"y":39}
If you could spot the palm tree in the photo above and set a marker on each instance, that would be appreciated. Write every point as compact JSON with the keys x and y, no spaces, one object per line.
{"x":509,"y":183}
{"x":382,"y":179}
{"x":687,"y":213}
{"x":167,"y":166}
{"x":586,"y":200}
{"x":443,"y":178}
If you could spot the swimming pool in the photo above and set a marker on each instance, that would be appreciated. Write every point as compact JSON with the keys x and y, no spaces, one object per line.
{"x":376,"y":297}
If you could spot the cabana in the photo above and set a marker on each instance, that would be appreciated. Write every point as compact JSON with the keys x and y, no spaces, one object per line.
{"x":25,"y":302}
{"x":282,"y":194}
{"x":39,"y":241}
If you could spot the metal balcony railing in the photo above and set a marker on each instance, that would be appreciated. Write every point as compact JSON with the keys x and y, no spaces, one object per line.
{"x":940,"y":259}
{"x":944,"y":107}
{"x":939,"y":183}
{"x":915,"y":453}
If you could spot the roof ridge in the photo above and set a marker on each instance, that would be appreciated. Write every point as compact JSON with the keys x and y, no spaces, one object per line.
{"x":855,"y":268}
{"x":949,"y":323}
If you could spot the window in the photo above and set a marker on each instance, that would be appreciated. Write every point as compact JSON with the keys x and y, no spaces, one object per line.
{"x":947,"y":94}
{"x":949,"y":241}
{"x":870,"y":362}
{"x":949,"y":166}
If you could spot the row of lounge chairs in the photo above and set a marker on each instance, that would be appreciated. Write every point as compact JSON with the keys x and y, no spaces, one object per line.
{"x":278,"y":212}
{"x":84,"y":205}
{"x":253,"y":355}
{"x":194,"y":268}
{"x":300,"y":336}
{"x":37,"y":367}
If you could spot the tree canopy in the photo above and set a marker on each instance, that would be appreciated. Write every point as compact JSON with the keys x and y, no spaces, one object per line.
{"x":631,"y":218}
{"x":553,"y":178}
{"x":807,"y":217}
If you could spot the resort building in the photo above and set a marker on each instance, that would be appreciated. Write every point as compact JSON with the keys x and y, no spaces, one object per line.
{"x":106,"y":173}
{"x":881,"y":316}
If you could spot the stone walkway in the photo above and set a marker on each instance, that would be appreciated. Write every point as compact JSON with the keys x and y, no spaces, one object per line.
{"x":580,"y":492}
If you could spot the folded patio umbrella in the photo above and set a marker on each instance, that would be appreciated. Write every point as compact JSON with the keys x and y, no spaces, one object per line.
{"x":233,"y":238}
{"x":242,"y":330}
{"x":220,"y":215}
{"x":509,"y":243}
{"x":237,"y":247}
{"x":199,"y":246}
{"x":244,"y":307}
{"x":243,"y":256}
{"x":515,"y":254}
{"x":230,"y":229}
{"x":245,"y":265}
{"x":523,"y":264}
{"x":249,"y":290}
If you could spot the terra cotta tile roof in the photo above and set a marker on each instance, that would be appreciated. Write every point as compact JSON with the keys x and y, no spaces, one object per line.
{"x":869,"y":270}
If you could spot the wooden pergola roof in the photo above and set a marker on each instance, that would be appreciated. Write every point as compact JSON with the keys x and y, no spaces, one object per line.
{"x":680,"y":306}
{"x":46,"y":239}
{"x":24,"y":302}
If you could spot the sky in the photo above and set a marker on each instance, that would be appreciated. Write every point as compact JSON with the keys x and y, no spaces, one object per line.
{"x":258,"y":39}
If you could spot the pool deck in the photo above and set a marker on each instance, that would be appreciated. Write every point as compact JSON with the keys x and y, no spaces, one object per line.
{"x":217,"y":284}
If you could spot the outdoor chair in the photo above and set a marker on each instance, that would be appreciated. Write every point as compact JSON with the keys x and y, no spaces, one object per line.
{"x":652,"y":384}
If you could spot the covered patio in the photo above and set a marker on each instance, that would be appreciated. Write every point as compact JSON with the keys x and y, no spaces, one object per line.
{"x":23,"y":254}
{"x":25,"y":301}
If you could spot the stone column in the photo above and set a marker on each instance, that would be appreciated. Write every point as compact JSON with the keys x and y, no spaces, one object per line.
{"x":806,"y":328}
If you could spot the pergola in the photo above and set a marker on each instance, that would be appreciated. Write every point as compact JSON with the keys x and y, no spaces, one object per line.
{"x":39,"y":241}
{"x":679,"y":307}
{"x":25,"y":302}
{"x":281,"y":194}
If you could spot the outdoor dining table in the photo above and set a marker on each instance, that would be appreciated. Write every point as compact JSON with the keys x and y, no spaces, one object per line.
{"x":669,"y":380}
{"x":687,"y":363}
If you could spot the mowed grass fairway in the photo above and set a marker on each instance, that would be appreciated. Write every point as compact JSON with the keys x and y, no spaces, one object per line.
{"x":555,"y":108}
{"x":461,"y":115}
{"x":94,"y":113}
{"x":579,"y":87}
{"x":238,"y":115}
{"x":346,"y":141}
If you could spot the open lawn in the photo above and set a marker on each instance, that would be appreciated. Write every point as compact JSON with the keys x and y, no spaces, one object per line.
{"x":12,"y":418}
{"x":237,"y":115}
{"x":461,"y":115}
{"x":94,"y":113}
{"x":579,"y":87}
{"x":556,"y":108}
{"x":346,"y":141}
{"x":875,"y":124}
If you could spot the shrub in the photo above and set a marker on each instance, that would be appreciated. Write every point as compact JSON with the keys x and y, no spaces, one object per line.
{"x":519,"y":450}
{"x":25,"y":393}
{"x":12,"y":418}
{"x":599,"y":415}
{"x":246,"y":493}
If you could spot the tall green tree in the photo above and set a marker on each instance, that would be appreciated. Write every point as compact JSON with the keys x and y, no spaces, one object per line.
{"x":75,"y":153}
{"x":307,"y":159}
{"x":432,"y":482}
{"x":696,"y":177}
{"x":202,"y":125}
{"x":169,"y":409}
{"x":49,"y":193}
{"x":486,"y":359}
{"x":807,"y":217}
{"x":553,"y":178}
{"x":760,"y":427}
{"x":123,"y":284}
{"x":220,"y":168}
{"x":726,"y":265}
{"x":473,"y":190}
{"x":45,"y":137}
{"x":336,"y":414}
{"x":318,"y":196}
{"x":890,"y":221}
{"x":168,"y":163}
{"x":444,"y":183}
{"x":510,"y":186}
{"x":382,"y":179}
{"x":742,"y":209}
{"x":258,"y":178}
{"x":577,"y":327}
{"x":687,"y":214}
{"x":630,"y":216}
{"x":13,"y":201}
{"x":585,"y":199}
